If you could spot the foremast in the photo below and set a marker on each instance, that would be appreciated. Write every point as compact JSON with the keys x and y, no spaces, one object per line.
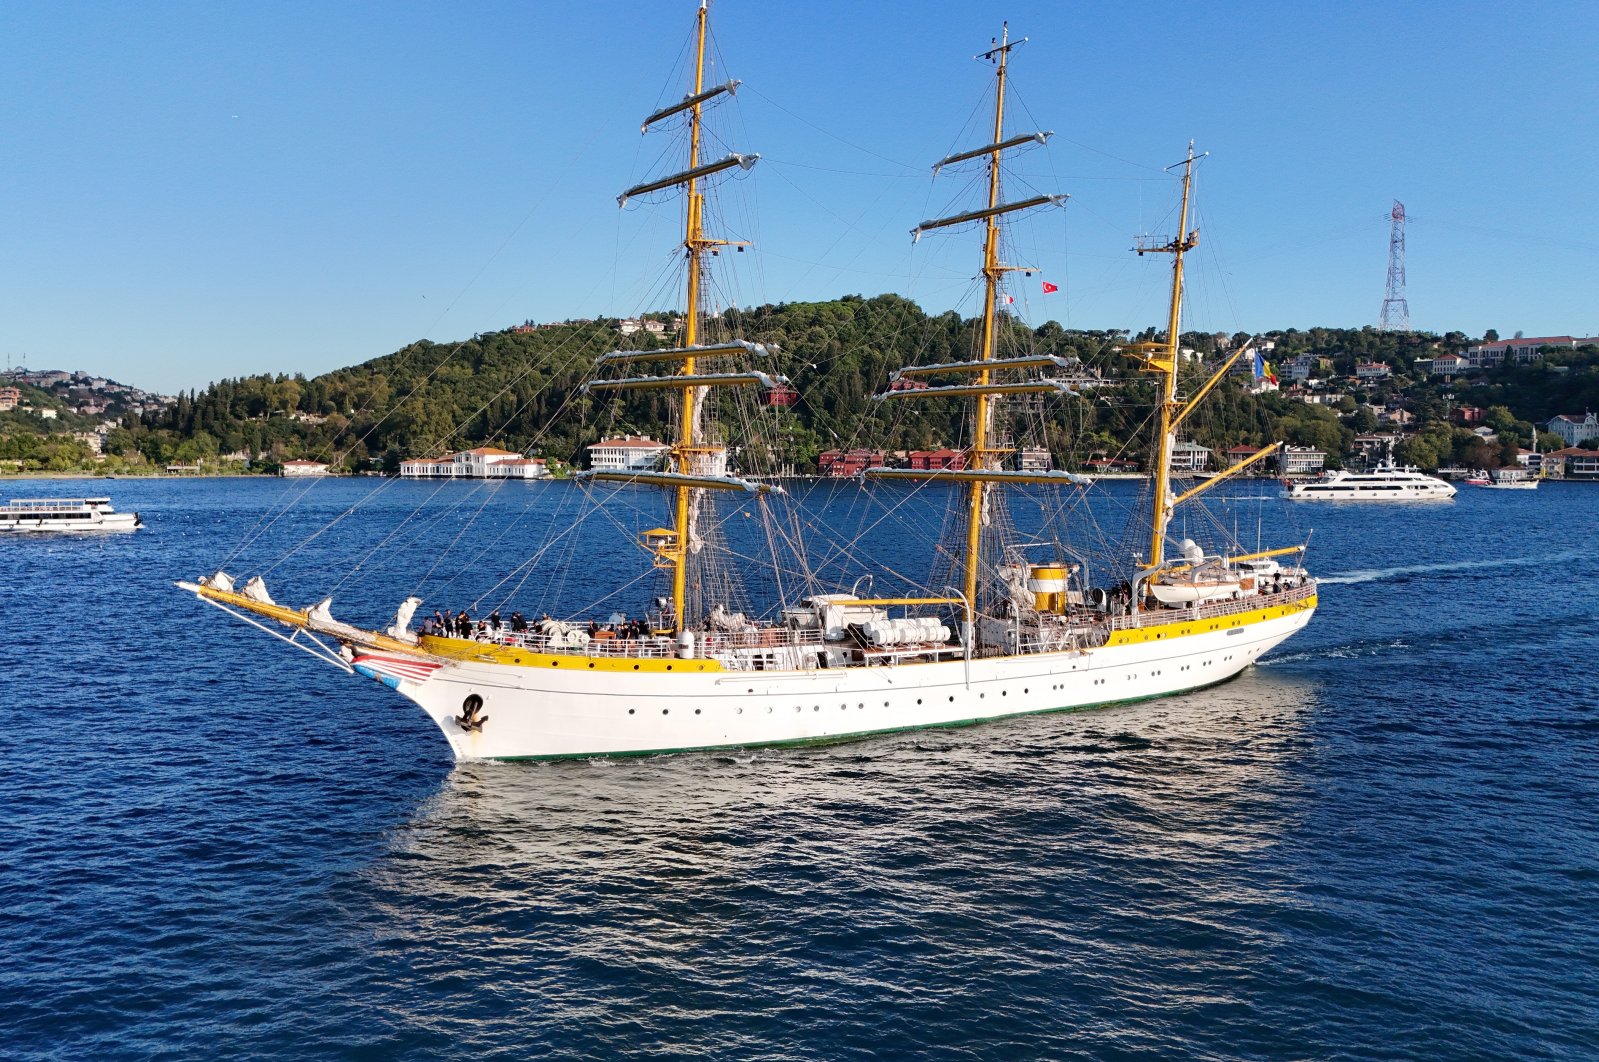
{"x":694,"y":247}
{"x":691,"y":459}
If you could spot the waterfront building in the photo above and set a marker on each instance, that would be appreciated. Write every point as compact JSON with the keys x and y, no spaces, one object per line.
{"x":938,"y":460}
{"x":483,"y":462}
{"x":630,"y":453}
{"x":303,"y":468}
{"x":845,"y":464}
{"x":1033,"y":459}
{"x":1189,"y":457}
{"x":1300,"y":460}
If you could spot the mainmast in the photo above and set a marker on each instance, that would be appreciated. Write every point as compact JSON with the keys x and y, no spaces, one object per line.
{"x":983,"y":457}
{"x":983,"y":386}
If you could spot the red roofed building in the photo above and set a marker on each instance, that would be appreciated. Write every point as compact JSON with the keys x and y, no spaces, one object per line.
{"x":1574,"y":462}
{"x":484,"y":462}
{"x":845,"y":464}
{"x":781,"y":396}
{"x":938,"y":460}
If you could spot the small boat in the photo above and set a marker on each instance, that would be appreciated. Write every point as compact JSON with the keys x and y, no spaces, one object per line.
{"x":1506,"y":479}
{"x":65,"y":515}
{"x":1386,"y":482}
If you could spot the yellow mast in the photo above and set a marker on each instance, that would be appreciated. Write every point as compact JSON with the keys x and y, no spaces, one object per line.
{"x":694,"y":245}
{"x":982,"y":455}
{"x":1166,"y":366}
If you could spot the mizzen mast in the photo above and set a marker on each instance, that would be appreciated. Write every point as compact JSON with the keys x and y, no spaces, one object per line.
{"x":1161,"y":359}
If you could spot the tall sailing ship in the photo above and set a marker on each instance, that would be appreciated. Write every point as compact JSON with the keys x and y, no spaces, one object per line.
{"x":1005,"y":625}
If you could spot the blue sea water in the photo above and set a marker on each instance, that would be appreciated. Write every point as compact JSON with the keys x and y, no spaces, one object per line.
{"x":1380,"y":843}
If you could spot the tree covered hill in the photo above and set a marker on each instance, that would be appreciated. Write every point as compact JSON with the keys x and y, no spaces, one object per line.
{"x":519,"y":389}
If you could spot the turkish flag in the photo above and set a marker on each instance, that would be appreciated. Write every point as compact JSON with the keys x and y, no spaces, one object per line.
{"x":1048,"y":288}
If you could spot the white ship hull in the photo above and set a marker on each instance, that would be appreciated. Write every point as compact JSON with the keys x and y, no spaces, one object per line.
{"x":545,"y":712}
{"x":115,"y":522}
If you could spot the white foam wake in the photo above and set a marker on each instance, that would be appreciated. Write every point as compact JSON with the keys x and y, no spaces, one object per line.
{"x":1368,"y":575}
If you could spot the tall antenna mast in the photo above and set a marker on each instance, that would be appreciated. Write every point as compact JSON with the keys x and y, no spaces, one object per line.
{"x":1395,"y":310}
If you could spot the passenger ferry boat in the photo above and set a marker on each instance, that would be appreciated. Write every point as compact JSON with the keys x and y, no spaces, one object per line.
{"x":1004,"y":624}
{"x":65,"y":515}
{"x":1386,"y":482}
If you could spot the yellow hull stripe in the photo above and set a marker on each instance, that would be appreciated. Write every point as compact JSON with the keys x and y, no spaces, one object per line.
{"x":480,"y":652}
{"x":1208,"y":625}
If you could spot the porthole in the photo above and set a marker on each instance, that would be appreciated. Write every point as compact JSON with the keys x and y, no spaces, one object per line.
{"x":630,"y":711}
{"x":952,"y":700}
{"x":666,"y":711}
{"x":696,"y":711}
{"x":591,"y":665}
{"x":635,"y":667}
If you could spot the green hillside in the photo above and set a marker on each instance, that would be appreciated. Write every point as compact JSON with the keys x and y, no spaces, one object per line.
{"x":518,"y":389}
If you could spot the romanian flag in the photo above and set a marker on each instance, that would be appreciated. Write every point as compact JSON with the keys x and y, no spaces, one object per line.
{"x":1263,"y":369}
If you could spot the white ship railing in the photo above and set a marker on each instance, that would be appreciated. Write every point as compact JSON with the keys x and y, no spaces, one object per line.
{"x":1209,"y":609}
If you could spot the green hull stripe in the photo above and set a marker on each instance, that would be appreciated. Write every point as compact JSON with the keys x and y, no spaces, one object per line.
{"x":834,"y":739}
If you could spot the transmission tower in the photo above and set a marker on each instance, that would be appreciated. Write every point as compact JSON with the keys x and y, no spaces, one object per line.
{"x":1395,"y":310}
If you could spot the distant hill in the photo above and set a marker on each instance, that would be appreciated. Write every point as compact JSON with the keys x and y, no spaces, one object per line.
{"x":518,"y":389}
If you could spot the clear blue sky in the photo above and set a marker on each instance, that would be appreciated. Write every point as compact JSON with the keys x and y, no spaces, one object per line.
{"x":197,"y":190}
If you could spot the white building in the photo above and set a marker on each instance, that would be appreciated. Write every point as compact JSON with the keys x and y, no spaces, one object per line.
{"x":630,"y":453}
{"x":1448,"y":365}
{"x":1033,"y":459}
{"x":1522,"y":349}
{"x":305,"y":468}
{"x":1575,"y":430}
{"x":628,"y":325}
{"x":1300,"y":460}
{"x":1372,"y":370}
{"x":483,"y":462}
{"x":1189,"y":457}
